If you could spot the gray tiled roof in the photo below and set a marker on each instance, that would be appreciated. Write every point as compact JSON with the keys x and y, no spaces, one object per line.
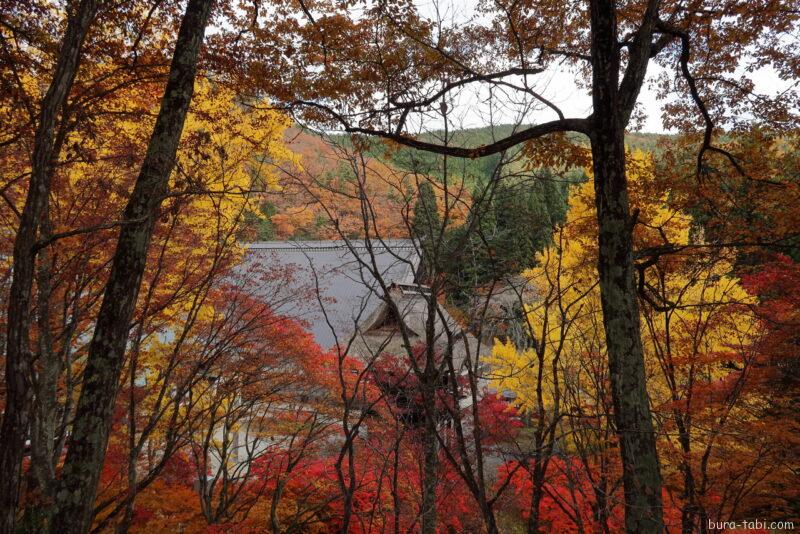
{"x":347,"y":288}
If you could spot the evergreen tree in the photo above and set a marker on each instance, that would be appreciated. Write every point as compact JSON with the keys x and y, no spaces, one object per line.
{"x":503,"y":238}
{"x":426,"y":227}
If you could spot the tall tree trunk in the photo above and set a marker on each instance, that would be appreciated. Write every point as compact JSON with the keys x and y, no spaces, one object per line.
{"x":430,"y":463}
{"x":45,"y":406}
{"x":19,"y":370}
{"x":87,"y":444}
{"x":534,"y":519}
{"x":601,"y":506}
{"x":274,"y":520}
{"x":690,"y":508}
{"x":133,"y":454}
{"x":396,"y":484}
{"x":641,"y":475}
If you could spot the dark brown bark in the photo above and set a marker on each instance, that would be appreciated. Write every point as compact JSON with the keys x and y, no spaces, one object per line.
{"x":544,"y":434}
{"x":19,"y":371}
{"x":395,"y":484}
{"x":690,"y":508}
{"x":274,"y":522}
{"x":537,"y":478}
{"x":641,"y":474}
{"x":601,"y":510}
{"x":41,"y":474}
{"x":87,"y":445}
{"x":429,"y":383}
{"x":430,"y":463}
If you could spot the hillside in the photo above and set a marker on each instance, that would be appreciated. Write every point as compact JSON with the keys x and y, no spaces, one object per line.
{"x":326,"y":165}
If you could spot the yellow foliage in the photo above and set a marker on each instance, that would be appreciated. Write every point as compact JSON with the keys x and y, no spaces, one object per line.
{"x":227,"y":151}
{"x":565,"y":318}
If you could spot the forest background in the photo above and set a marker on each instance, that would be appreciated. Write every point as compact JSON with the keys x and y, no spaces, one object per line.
{"x":635,"y":297}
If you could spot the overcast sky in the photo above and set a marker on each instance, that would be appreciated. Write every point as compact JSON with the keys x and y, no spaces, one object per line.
{"x":472,"y":109}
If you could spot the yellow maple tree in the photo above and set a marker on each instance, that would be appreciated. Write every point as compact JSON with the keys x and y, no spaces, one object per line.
{"x":564,"y":318}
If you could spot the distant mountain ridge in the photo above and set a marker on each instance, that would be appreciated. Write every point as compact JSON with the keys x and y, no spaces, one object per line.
{"x":292,"y":214}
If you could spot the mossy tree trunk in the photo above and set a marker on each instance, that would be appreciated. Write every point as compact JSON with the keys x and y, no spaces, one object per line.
{"x":89,"y":438}
{"x":641,"y":474}
{"x":19,"y":359}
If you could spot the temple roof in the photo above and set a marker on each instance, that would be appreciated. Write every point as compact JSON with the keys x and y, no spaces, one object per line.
{"x":343,"y":271}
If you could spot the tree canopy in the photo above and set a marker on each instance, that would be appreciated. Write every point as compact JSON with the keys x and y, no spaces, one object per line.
{"x":566,"y":324}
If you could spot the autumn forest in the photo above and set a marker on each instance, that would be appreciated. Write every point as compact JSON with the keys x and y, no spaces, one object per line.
{"x":399,"y":266}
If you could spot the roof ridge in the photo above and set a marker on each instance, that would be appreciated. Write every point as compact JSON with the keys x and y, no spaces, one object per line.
{"x":329,"y":245}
